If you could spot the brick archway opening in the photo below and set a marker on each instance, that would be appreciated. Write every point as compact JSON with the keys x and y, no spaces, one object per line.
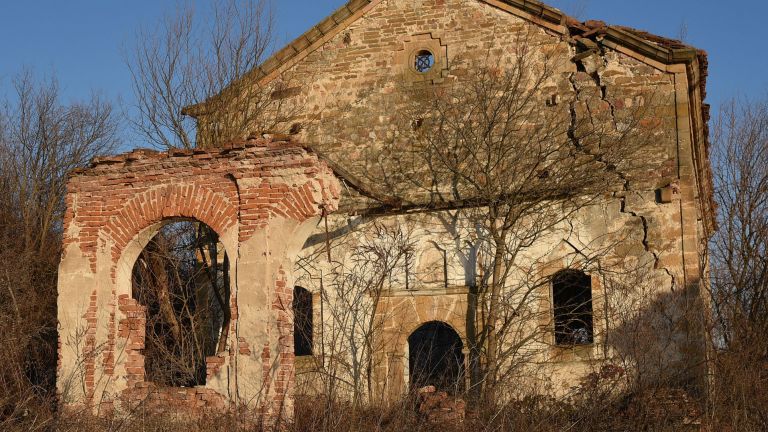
{"x":181,"y":280}
{"x":249,"y":193}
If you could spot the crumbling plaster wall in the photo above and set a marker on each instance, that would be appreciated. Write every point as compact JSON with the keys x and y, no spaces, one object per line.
{"x":262,"y":197}
{"x":601,"y":239}
{"x":351,"y":86}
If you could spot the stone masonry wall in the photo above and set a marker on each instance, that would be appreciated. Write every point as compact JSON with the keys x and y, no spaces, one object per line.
{"x":349,"y":90}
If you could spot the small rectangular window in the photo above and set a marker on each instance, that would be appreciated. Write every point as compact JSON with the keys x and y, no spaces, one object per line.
{"x":572,"y":298}
{"x":302,"y":322}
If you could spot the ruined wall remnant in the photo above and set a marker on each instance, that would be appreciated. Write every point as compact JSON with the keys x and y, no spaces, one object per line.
{"x":262,"y":196}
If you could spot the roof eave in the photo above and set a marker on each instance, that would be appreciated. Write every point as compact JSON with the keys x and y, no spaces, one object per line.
{"x":649,"y":49}
{"x":538,"y":9}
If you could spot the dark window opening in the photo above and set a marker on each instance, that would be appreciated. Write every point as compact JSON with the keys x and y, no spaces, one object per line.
{"x":424,"y":61}
{"x":302,"y":322}
{"x":436,"y":358}
{"x":572,"y":298}
{"x":182,"y":279}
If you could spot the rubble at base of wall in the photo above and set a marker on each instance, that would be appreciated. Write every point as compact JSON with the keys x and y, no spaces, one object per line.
{"x":439,"y":407}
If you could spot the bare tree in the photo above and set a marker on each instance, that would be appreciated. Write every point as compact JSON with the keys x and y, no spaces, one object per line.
{"x":41,"y":140}
{"x":495,"y":149}
{"x":196,"y":64}
{"x":682,"y":32}
{"x":740,"y":247}
{"x":362,"y":268}
{"x":739,"y":269}
{"x":197,"y":60}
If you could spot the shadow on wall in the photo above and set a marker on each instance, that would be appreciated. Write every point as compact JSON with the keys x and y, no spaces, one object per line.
{"x":663,"y":341}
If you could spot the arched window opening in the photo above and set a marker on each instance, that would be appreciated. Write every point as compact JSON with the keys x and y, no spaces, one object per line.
{"x":302,"y":321}
{"x":182,"y":278}
{"x":435,"y":358}
{"x":572,"y":298}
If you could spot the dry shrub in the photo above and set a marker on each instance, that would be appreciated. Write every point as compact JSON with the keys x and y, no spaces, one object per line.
{"x":588,"y":409}
{"x":739,"y":396}
{"x":28,"y":326}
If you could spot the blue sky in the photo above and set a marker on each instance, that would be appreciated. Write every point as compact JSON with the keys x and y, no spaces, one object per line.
{"x":82,"y":40}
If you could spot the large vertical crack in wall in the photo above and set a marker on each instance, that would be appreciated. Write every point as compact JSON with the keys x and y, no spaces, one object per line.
{"x":590,"y":60}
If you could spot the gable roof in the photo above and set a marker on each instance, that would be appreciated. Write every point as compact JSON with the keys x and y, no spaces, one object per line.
{"x":646,"y":45}
{"x":663,"y":50}
{"x":657,"y":51}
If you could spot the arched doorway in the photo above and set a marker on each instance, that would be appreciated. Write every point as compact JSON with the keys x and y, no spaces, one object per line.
{"x":182,"y":280}
{"x":435,"y":357}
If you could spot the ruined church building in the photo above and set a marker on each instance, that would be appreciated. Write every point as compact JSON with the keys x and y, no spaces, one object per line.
{"x":340,"y":281}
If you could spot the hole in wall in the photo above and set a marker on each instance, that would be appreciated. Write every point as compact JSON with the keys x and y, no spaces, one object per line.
{"x":424,"y":61}
{"x":572,"y":297}
{"x":182,"y":278}
{"x":302,"y":322}
{"x":435,"y":358}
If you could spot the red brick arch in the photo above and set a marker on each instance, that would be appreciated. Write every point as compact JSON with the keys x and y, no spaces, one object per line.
{"x":117,"y":205}
{"x":166,"y":202}
{"x":298,"y":203}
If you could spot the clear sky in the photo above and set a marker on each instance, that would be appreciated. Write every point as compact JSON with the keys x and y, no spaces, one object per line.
{"x":82,"y":40}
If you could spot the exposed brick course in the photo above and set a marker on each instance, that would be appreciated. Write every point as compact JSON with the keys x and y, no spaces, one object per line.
{"x":261,"y":184}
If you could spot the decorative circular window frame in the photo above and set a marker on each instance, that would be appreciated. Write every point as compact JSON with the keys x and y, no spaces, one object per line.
{"x":405,"y":58}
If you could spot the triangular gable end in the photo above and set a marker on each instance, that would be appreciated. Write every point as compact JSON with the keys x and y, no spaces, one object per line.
{"x":666,"y":55}
{"x":654,"y":50}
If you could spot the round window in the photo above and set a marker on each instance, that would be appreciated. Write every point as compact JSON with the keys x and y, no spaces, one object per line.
{"x":424,"y":61}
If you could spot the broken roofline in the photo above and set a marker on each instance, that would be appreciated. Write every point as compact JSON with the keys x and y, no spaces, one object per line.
{"x":270,"y":143}
{"x":657,"y":48}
